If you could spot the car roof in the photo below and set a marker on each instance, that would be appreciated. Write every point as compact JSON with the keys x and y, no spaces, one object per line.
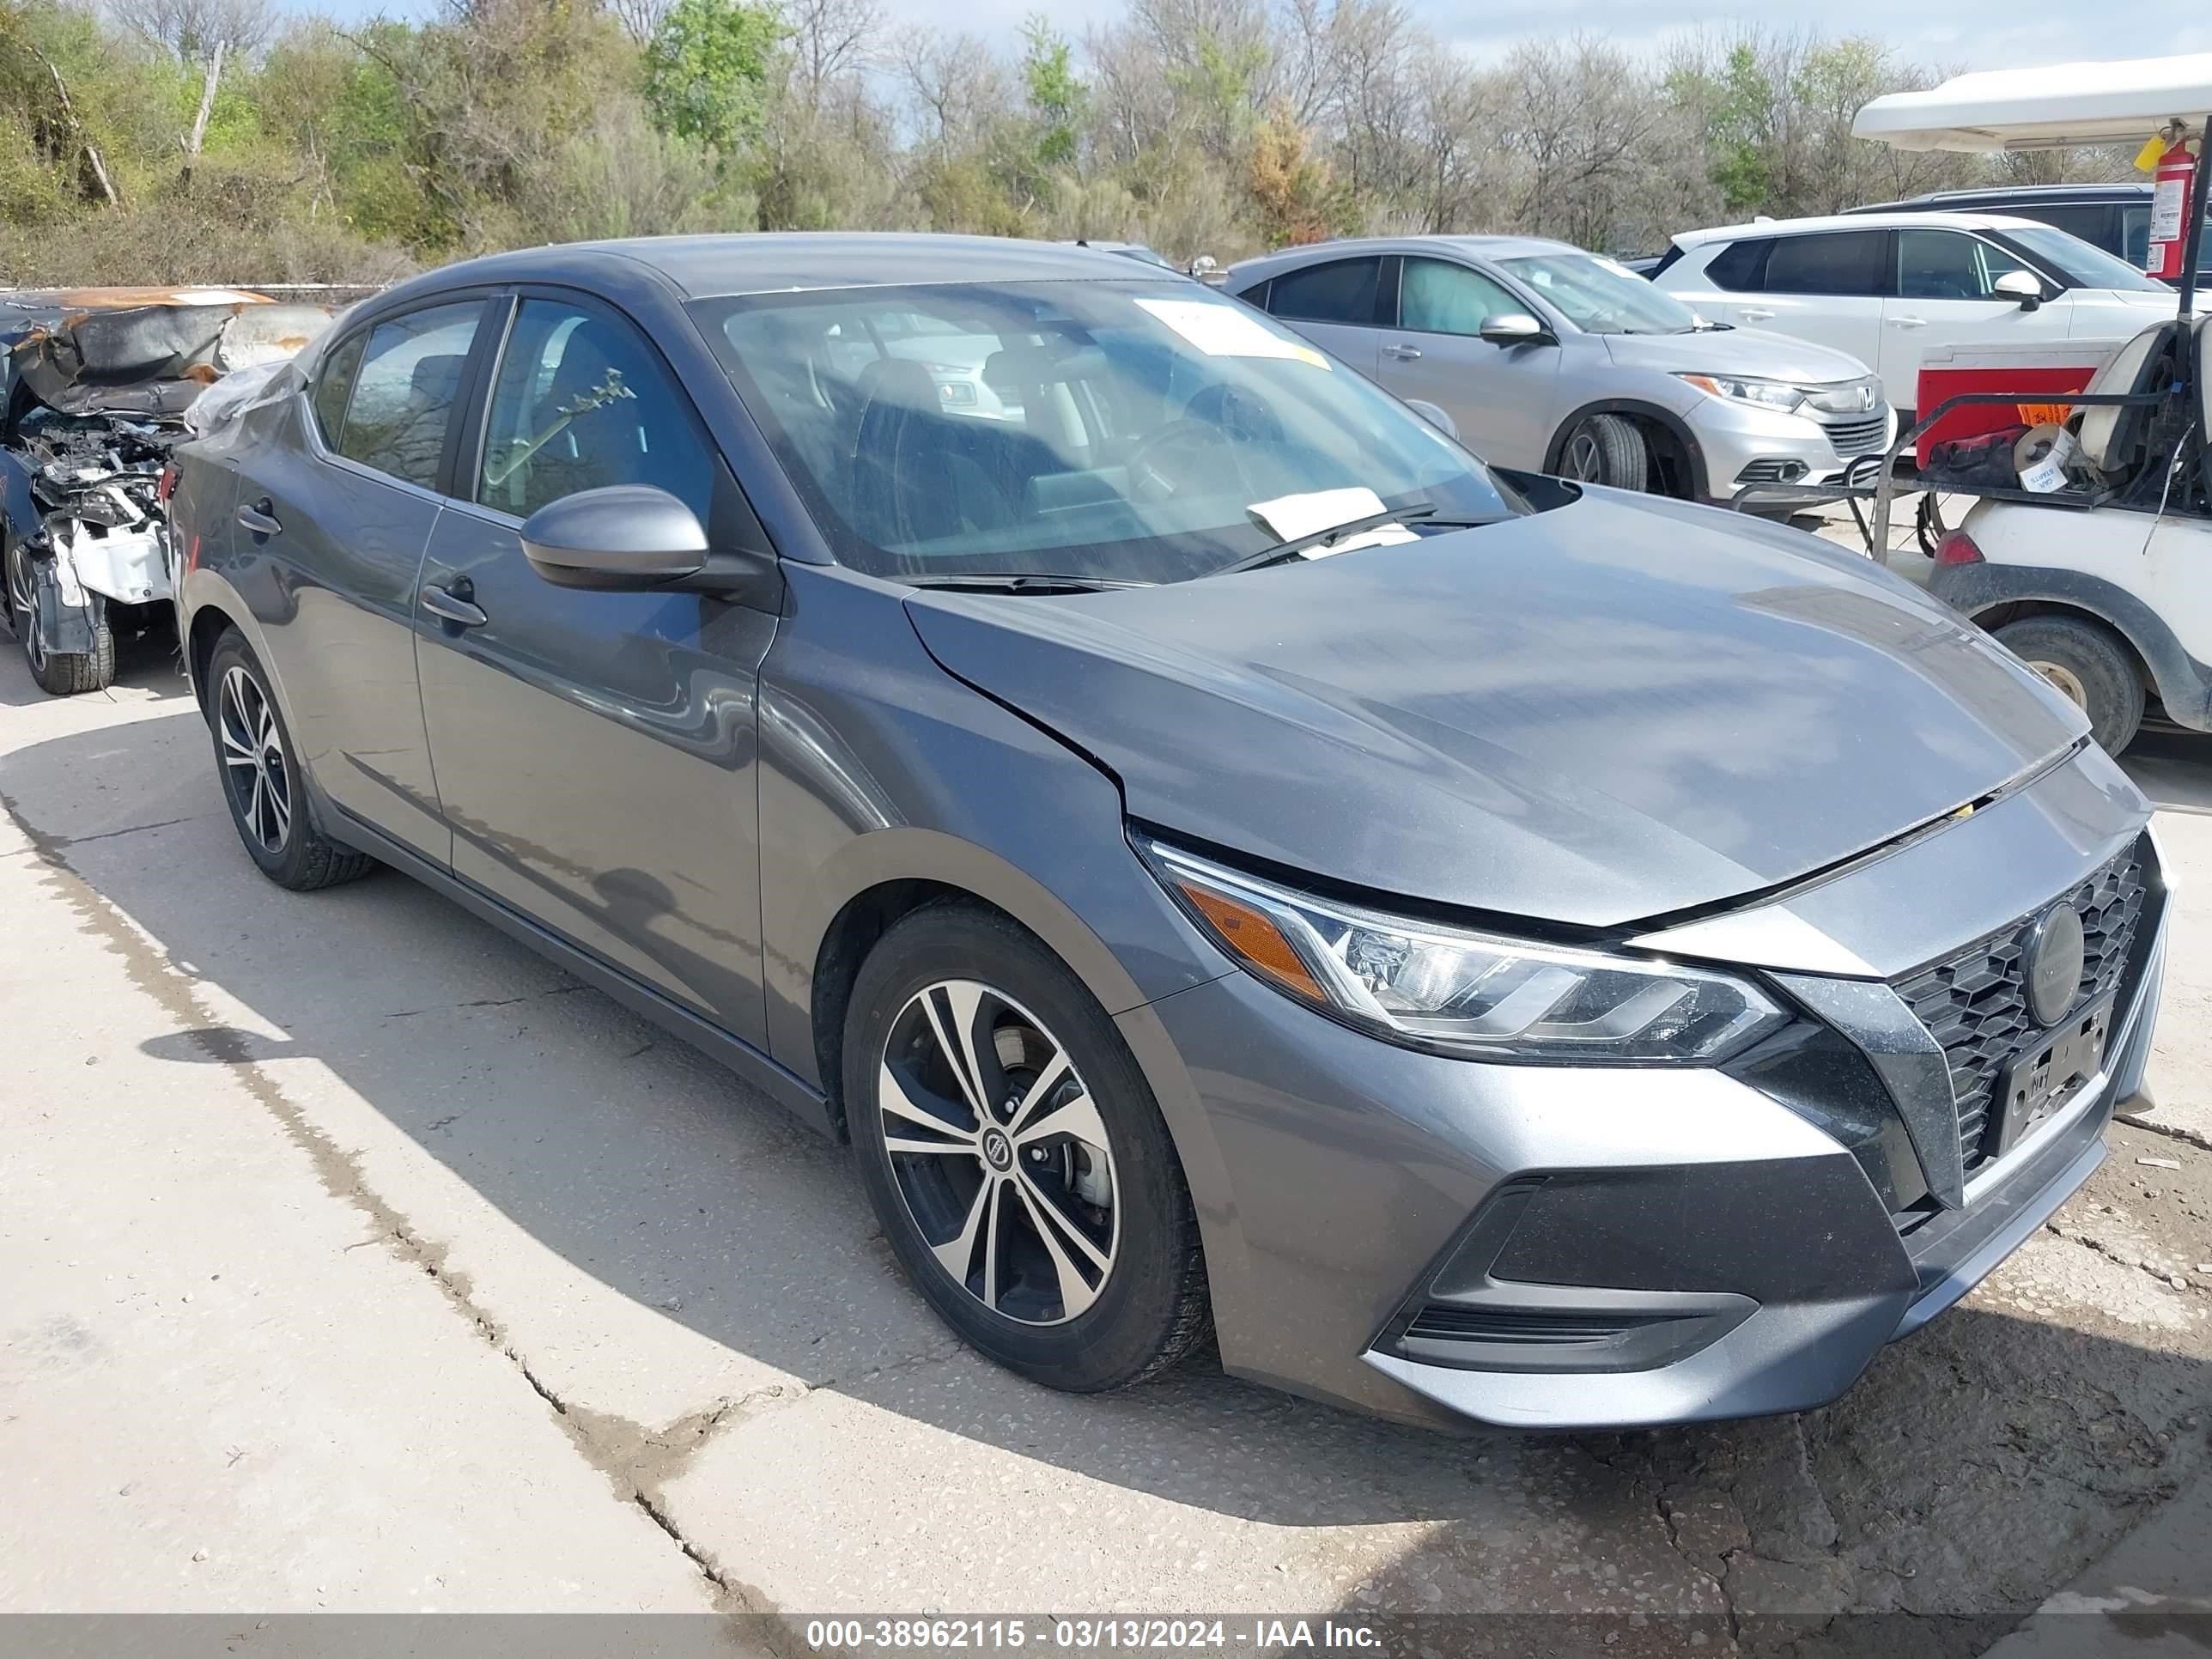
{"x":1478,"y":247}
{"x":2024,"y":195}
{"x":712,"y":266}
{"x":1860,"y":220}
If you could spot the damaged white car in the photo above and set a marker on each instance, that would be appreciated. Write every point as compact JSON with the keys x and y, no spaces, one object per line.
{"x":98,"y":385}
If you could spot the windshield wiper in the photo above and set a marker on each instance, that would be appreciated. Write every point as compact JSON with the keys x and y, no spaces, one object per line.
{"x":1336,"y":532}
{"x":1014,"y":581}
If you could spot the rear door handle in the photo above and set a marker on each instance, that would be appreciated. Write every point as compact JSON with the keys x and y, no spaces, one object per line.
{"x":440,"y":602}
{"x":1908,"y":322}
{"x":1751,"y":314}
{"x":260,"y":518}
{"x":1404,"y":353}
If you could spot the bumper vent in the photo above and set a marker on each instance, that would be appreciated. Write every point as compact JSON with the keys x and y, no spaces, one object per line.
{"x":1860,"y":437}
{"x":1975,"y":1003}
{"x":1439,"y":1321}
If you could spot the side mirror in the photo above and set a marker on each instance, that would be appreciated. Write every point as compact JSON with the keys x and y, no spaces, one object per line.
{"x":1515,"y":328}
{"x":1435,"y":414}
{"x":1207,"y":269}
{"x":624,"y":536}
{"x":2022,"y":285}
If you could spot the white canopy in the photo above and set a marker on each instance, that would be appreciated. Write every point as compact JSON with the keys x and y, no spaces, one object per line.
{"x":2049,"y":108}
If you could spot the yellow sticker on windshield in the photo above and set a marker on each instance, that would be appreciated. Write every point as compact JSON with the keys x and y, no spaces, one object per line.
{"x":1220,"y":328}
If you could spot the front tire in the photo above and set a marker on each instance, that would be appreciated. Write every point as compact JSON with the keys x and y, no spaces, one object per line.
{"x":59,"y":673}
{"x":1607,"y":449}
{"x":1016,"y":1158}
{"x":262,"y":780}
{"x":2090,"y":667}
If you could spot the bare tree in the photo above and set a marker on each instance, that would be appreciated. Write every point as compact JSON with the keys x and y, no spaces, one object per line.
{"x":639,"y":18}
{"x":831,"y":40}
{"x":192,"y":31}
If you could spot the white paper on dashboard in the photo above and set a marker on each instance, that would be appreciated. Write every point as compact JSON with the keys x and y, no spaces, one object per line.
{"x":1221,"y":330}
{"x":1293,"y":516}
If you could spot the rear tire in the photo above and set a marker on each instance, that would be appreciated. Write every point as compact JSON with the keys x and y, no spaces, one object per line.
{"x":263,"y":782}
{"x":1056,"y":1235}
{"x":2090,"y":666}
{"x":1607,"y":449}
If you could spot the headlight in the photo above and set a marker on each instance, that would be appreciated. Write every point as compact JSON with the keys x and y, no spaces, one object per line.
{"x":1777,"y":395}
{"x":1464,"y":992}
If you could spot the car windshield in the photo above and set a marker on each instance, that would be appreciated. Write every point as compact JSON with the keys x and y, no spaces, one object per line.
{"x":2079,"y":261}
{"x":1602,"y":296}
{"x":1141,"y":431}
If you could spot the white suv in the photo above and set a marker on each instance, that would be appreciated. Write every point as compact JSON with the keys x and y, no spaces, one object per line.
{"x":1888,"y":286}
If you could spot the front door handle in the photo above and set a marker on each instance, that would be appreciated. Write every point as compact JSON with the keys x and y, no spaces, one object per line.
{"x":1404,"y":353}
{"x":1753,"y":314}
{"x":1908,"y":322}
{"x":443,"y":602}
{"x":260,"y":518}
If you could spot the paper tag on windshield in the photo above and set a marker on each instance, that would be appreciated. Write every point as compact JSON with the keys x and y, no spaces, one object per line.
{"x":1223,"y":330}
{"x":1293,"y":516}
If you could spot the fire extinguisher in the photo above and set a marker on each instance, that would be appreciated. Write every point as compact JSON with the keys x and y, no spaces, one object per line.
{"x":2173,"y":179}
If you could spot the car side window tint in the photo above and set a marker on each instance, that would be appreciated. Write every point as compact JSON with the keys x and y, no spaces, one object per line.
{"x":581,"y":401}
{"x":333,"y":387}
{"x":1740,"y":267}
{"x":2135,"y":235}
{"x":2092,"y":222}
{"x":1435,"y":297}
{"x":1947,"y":264}
{"x":1341,"y":291}
{"x":403,"y":397}
{"x":1844,"y":263}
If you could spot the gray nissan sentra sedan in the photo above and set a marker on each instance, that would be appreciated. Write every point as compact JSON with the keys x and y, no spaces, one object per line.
{"x":1225,"y":859}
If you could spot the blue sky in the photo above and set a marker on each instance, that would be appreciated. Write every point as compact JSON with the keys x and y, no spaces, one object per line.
{"x":1968,"y":36}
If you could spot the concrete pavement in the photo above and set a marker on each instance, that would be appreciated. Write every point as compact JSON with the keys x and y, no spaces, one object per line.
{"x":500,"y":1299}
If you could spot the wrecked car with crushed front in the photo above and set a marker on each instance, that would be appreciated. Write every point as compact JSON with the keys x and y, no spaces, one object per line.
{"x":96,"y":387}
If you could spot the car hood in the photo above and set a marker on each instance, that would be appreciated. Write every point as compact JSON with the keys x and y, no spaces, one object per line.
{"x":1752,"y":351}
{"x":1612,"y":711}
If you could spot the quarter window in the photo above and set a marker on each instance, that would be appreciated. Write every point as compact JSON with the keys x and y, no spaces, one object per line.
{"x":333,"y":386}
{"x":1845,"y":264}
{"x":580,"y":401}
{"x":1341,"y":291}
{"x":403,"y":397}
{"x":1437,"y":298}
{"x":1740,"y":267}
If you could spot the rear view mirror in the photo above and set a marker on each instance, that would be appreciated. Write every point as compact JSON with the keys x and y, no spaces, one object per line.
{"x":1515,"y":328}
{"x":2022,"y":285}
{"x":623,"y":536}
{"x":1435,"y":414}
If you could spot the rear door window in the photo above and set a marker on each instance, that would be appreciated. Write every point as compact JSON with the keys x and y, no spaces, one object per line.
{"x":581,"y":401}
{"x":403,"y":397}
{"x":1341,"y":291}
{"x":2090,"y":222}
{"x":1848,"y":263}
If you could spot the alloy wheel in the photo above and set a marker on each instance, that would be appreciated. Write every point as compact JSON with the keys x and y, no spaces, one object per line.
{"x":1582,"y":460}
{"x":254,"y":770}
{"x":23,"y":605}
{"x":998,"y":1153}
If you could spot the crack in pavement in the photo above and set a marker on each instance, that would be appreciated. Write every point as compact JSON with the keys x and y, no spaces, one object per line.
{"x":108,"y":835}
{"x":636,"y":1461}
{"x":2075,"y":1235}
{"x":2186,"y":1136}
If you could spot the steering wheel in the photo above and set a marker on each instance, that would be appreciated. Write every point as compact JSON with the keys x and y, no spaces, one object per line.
{"x":1183,"y":457}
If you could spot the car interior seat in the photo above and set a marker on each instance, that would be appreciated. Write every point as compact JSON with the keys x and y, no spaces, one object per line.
{"x":417,"y":441}
{"x":915,"y":477}
{"x":2112,"y":439}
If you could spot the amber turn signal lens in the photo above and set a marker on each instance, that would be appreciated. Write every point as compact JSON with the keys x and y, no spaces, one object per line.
{"x":1252,"y":935}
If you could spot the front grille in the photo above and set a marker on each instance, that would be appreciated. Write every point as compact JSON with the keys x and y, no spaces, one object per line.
{"x":1975,"y":1004}
{"x":1862,"y":437}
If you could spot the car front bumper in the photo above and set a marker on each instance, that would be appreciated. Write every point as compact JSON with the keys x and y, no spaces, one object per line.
{"x":1595,"y":1248}
{"x":1745,"y":446}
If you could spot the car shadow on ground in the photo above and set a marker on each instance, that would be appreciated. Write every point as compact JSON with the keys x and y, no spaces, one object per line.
{"x":1974,"y":1468}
